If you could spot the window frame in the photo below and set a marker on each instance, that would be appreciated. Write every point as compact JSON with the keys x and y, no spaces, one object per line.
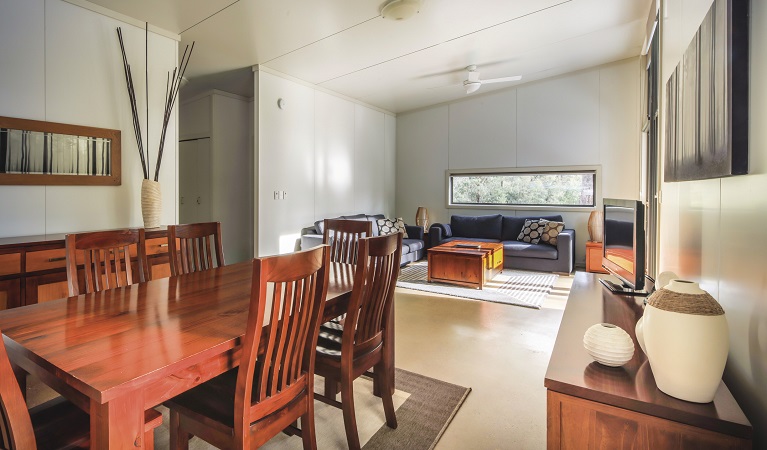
{"x":558,"y":170}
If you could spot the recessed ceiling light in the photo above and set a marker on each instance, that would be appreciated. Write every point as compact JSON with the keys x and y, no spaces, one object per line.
{"x":400,"y":9}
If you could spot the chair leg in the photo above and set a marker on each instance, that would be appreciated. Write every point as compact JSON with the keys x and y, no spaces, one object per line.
{"x":381,"y":375}
{"x":179,"y":439}
{"x":331,"y":388}
{"x":347,"y":405}
{"x":308,"y":434}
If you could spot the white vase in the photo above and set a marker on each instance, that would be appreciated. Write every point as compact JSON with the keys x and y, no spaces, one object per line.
{"x":686,"y":341}
{"x":608,"y":344}
{"x":151,"y":203}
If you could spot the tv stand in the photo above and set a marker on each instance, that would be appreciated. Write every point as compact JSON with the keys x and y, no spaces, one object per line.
{"x":616,"y":288}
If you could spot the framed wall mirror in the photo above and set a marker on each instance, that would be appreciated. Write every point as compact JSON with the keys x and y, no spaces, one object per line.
{"x":33,"y":152}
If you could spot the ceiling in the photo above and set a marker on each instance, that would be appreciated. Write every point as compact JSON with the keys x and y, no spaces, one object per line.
{"x":345,"y":46}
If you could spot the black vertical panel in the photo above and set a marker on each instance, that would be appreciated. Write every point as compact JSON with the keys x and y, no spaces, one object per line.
{"x":46,"y":144}
{"x":93,"y":157}
{"x":4,"y":136}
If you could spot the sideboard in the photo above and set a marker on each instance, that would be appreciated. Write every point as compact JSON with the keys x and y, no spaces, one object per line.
{"x":32,"y":267}
{"x":591,"y":406}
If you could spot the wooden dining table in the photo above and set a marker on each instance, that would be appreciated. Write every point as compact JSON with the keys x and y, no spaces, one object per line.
{"x":121,"y":351}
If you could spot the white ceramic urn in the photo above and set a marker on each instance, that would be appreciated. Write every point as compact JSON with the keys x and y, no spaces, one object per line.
{"x":686,"y":338}
{"x":663,"y":279}
{"x":608,"y":344}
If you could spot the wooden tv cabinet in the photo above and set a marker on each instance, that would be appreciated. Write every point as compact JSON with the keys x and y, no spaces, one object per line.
{"x":590,"y":406}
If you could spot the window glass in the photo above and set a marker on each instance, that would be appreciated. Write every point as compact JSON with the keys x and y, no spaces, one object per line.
{"x":524,"y":189}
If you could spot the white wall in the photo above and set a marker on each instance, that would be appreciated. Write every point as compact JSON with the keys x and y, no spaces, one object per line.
{"x":62,"y":63}
{"x":587,"y":118}
{"x":323,"y":154}
{"x":706,"y":229}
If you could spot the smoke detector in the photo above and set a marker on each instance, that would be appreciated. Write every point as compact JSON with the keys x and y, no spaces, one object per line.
{"x":400,"y":9}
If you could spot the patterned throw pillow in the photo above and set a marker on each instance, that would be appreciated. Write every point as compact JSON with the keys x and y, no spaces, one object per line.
{"x":532,"y":231}
{"x":389,"y":226}
{"x":551,"y":231}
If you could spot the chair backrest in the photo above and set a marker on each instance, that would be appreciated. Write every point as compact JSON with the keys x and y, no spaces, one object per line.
{"x":343,"y":236}
{"x":370,"y":304}
{"x":288,"y":294}
{"x":106,"y":258}
{"x":16,"y":432}
{"x":194,"y":252}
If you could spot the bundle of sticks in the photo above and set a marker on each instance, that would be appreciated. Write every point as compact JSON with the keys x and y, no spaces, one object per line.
{"x":172,"y":86}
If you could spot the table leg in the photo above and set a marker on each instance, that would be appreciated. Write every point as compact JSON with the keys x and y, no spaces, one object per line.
{"x":119,"y":423}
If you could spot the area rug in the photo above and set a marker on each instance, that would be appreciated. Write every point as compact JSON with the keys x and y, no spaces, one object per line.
{"x":424,"y":406}
{"x":512,"y":287}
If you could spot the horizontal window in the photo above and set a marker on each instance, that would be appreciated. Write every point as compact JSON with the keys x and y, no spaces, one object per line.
{"x":524,"y":189}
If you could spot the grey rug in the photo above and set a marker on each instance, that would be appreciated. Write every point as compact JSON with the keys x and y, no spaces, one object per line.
{"x":512,"y":287}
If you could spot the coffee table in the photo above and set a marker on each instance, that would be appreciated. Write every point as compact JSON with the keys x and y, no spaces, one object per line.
{"x":466,"y":263}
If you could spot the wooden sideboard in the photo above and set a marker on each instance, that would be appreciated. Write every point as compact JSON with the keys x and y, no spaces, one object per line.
{"x":594,"y":257}
{"x":32,"y":267}
{"x":591,"y":406}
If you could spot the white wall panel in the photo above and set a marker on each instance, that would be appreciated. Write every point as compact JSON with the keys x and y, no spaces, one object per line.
{"x":65,"y":66}
{"x":483,"y":131}
{"x":558,"y":121}
{"x":619,"y":121}
{"x":85,"y":85}
{"x":22,"y":71}
{"x":422,"y":152}
{"x":390,"y":163}
{"x":334,"y":156}
{"x":286,"y":163}
{"x":369,"y":160}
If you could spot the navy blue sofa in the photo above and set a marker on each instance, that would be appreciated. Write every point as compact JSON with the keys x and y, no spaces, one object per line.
{"x":506,"y":229}
{"x":413,"y":246}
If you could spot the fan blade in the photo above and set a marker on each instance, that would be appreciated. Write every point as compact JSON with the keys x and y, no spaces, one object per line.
{"x":502,"y":80}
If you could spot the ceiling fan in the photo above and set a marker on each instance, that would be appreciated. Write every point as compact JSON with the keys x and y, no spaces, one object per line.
{"x":472,"y":83}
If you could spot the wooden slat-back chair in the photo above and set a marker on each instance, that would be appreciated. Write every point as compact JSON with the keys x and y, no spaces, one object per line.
{"x":107,"y":265}
{"x":55,"y":424}
{"x":347,"y":350}
{"x":343,"y":236}
{"x":106,"y":259}
{"x":273,"y":388}
{"x":194,"y":251}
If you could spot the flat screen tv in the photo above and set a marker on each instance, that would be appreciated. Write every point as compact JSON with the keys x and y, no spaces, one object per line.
{"x":623,"y":245}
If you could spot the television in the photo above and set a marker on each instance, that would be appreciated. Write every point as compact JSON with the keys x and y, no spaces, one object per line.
{"x":623,"y":246}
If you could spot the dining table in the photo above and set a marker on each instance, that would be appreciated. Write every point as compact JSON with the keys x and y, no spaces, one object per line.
{"x":119,"y":352}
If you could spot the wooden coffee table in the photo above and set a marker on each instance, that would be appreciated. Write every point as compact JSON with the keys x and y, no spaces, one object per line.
{"x":467,"y":263}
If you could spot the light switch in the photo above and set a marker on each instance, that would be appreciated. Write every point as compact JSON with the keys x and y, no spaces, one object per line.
{"x":276,"y":195}
{"x":284,"y":194}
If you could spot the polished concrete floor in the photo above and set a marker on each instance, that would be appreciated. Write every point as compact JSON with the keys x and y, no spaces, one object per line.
{"x":501,"y":352}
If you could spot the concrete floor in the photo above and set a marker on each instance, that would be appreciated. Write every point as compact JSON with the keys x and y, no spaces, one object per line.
{"x":500,"y":351}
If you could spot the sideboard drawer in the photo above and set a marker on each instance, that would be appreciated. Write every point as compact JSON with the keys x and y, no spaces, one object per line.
{"x":46,"y":260}
{"x":10,"y":263}
{"x":156,"y":246}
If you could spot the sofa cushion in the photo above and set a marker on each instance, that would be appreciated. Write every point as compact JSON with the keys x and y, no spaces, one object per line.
{"x":512,"y":225}
{"x":525,"y":250}
{"x":392,"y":226}
{"x":412,"y":245}
{"x":551,"y":231}
{"x":485,"y":227}
{"x":532,"y":231}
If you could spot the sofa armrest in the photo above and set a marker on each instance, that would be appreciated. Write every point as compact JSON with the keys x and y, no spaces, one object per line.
{"x":566,"y":250}
{"x":414,"y":231}
{"x":439,"y":232}
{"x":309,"y":230}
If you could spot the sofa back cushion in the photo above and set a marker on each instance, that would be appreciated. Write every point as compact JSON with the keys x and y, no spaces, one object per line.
{"x":486,"y":227}
{"x":512,"y":225}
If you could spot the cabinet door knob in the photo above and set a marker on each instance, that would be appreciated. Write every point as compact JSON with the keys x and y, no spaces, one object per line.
{"x":199,"y":202}
{"x":181,"y":201}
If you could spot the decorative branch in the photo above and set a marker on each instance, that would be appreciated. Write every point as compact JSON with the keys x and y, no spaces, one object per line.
{"x":172,"y":86}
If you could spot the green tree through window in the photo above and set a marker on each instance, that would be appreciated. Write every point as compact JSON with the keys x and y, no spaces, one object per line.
{"x":529,"y":189}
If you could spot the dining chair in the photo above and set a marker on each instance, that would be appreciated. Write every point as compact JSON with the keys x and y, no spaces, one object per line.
{"x":107,"y":262}
{"x":274,"y":384}
{"x":55,"y":424}
{"x":343,"y":236}
{"x":347,"y":350}
{"x":189,"y":247}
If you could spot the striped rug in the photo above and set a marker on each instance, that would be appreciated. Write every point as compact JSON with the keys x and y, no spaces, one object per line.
{"x":513,"y":287}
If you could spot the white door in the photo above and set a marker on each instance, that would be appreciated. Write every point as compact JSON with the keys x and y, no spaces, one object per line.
{"x":194,"y":181}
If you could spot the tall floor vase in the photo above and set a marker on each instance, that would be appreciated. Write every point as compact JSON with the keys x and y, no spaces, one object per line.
{"x":151,"y":203}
